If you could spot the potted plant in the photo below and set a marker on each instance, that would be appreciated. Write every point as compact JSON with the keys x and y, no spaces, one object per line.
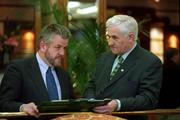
{"x":83,"y":53}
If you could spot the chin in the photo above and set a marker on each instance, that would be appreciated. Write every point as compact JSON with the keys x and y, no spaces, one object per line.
{"x":57,"y":64}
{"x":114,"y":52}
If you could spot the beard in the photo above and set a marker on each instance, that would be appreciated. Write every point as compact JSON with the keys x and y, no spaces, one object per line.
{"x":54,"y":61}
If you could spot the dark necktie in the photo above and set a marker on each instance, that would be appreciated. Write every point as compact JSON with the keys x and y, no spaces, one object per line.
{"x":51,"y":85}
{"x":120,"y":61}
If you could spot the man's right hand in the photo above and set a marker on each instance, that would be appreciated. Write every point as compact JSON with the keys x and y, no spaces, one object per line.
{"x":30,"y":109}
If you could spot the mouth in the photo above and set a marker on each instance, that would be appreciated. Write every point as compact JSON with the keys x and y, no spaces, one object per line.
{"x":58,"y":58}
{"x":112,"y":48}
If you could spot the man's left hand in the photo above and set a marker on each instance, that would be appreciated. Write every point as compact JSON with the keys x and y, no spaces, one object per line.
{"x":106,"y":109}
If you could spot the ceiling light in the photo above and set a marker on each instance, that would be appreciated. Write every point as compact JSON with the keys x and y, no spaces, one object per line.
{"x":156,"y":0}
{"x":73,"y":4}
{"x":87,"y":10}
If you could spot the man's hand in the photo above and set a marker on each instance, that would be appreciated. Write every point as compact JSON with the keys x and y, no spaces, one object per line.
{"x":106,"y":109}
{"x":30,"y":109}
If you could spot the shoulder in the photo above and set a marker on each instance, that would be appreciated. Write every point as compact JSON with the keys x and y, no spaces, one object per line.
{"x":148,"y":55}
{"x":106,"y":55}
{"x":22,"y":63}
{"x":17,"y":68}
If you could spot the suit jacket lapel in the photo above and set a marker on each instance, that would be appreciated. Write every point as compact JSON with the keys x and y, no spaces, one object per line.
{"x":108,"y":66}
{"x":129,"y":62}
{"x":38,"y":79}
{"x":105,"y":72}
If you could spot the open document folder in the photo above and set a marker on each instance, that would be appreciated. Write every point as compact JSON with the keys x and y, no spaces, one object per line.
{"x":71,"y":105}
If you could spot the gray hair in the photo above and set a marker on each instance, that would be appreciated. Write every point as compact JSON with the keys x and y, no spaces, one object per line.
{"x":48,"y":32}
{"x":125,"y":23}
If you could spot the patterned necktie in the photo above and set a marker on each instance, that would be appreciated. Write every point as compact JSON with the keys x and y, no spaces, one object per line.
{"x":51,"y":85}
{"x":120,"y":61}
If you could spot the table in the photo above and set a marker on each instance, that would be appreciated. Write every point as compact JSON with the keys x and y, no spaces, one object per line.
{"x":150,"y":113}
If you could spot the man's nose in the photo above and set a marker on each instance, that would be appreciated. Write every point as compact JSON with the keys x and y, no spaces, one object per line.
{"x":62,"y":51}
{"x":110,"y":42}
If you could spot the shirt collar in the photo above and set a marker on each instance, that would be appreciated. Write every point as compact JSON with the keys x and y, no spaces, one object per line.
{"x":41,"y":62}
{"x":128,"y":52}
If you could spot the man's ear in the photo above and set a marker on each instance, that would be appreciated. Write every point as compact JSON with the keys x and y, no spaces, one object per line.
{"x":131,"y":36}
{"x":43,"y":46}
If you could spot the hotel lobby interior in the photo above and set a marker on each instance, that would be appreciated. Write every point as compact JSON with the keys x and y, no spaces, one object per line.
{"x":21,"y":21}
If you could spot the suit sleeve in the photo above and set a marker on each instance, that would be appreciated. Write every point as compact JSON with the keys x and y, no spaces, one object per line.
{"x":91,"y":87}
{"x":10,"y":89}
{"x":89,"y":91}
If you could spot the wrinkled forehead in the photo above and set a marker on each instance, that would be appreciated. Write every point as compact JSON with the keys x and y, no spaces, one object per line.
{"x":113,"y":29}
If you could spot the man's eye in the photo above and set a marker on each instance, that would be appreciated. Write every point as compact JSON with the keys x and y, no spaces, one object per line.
{"x":57,"y":47}
{"x":114,"y":37}
{"x":111,"y":37}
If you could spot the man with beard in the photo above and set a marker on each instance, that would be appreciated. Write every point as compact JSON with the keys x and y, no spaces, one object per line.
{"x":25,"y":83}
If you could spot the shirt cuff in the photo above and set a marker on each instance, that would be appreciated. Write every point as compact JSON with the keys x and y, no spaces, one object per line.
{"x":21,"y":108}
{"x":118,"y":104}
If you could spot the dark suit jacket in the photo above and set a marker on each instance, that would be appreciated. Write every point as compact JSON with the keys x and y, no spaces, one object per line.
{"x":23,"y":83}
{"x":136,"y":85}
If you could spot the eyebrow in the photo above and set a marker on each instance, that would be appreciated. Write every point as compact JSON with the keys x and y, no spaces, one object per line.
{"x":111,"y":36}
